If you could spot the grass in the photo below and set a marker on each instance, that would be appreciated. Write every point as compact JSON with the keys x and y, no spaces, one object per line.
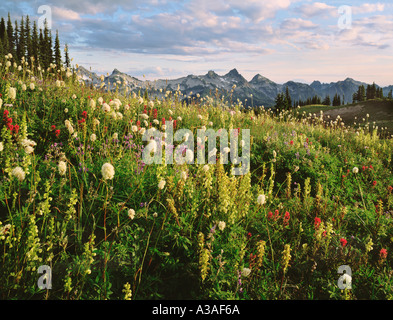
{"x":184,"y":231}
{"x":355,"y":114}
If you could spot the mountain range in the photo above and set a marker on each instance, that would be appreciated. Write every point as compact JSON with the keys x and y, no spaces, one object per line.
{"x":260,"y":91}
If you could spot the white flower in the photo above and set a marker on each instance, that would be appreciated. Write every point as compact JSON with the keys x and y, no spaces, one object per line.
{"x":206,"y":168}
{"x":92,"y":104}
{"x":1,"y":102}
{"x":221,"y":225}
{"x":161,"y":184}
{"x":93,"y":137}
{"x":274,"y":153}
{"x":18,"y":173}
{"x":189,"y":156}
{"x":355,"y":170}
{"x":106,"y":107}
{"x":151,"y":147}
{"x":179,"y":118}
{"x":108,"y":171}
{"x":155,"y":215}
{"x":144,"y":116}
{"x":12,"y":93}
{"x":28,"y":142}
{"x":131,"y":214}
{"x":184,"y":175}
{"x":1,"y":146}
{"x":261,"y":199}
{"x":115,"y":136}
{"x":58,"y":83}
{"x":246,"y":272}
{"x":200,"y":117}
{"x":134,"y":128}
{"x":29,"y":149}
{"x":62,"y":166}
{"x":32,"y":86}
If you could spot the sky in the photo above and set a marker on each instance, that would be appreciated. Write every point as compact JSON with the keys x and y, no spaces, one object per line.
{"x":298,"y":40}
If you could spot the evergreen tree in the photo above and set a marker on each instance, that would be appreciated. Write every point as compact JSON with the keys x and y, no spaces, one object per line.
{"x":41,"y":50}
{"x":20,"y":38}
{"x":29,"y":40}
{"x":47,"y":46}
{"x":326,"y":101}
{"x":336,"y":100}
{"x":35,"y":42}
{"x":390,"y":95}
{"x":57,"y":52}
{"x":3,"y":29}
{"x":288,"y":100}
{"x":66,"y":57}
{"x":1,"y":49}
{"x":280,"y":102}
{"x":10,"y":37}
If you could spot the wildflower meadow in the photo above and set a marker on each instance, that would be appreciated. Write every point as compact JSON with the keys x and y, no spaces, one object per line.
{"x":84,"y":217}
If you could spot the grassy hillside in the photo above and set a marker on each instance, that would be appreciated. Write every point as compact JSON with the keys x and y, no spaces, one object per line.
{"x":380,"y":114}
{"x":76,"y":196}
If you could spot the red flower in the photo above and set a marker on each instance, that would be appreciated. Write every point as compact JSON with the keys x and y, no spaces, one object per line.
{"x":16,"y":128}
{"x":84,"y":114}
{"x":374,"y":183}
{"x":6,"y":113}
{"x":155,"y":113}
{"x":343,"y":242}
{"x":291,"y":142}
{"x":163,"y":120}
{"x":383,"y":253}
{"x":53,"y":127}
{"x":249,"y":235}
{"x":174,"y":124}
{"x":57,"y":132}
{"x":364,"y":168}
{"x":390,"y":188}
{"x":270,"y":215}
{"x":317,"y":222}
{"x":286,"y":218}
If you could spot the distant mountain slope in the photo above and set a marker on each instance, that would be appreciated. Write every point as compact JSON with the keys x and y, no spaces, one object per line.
{"x":260,"y":91}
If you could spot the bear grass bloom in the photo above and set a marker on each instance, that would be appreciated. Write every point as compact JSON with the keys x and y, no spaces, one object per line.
{"x":108,"y":171}
{"x":161,"y":184}
{"x":12,"y":93}
{"x":18,"y":173}
{"x":62,"y":166}
{"x":261,"y":199}
{"x":131,"y":214}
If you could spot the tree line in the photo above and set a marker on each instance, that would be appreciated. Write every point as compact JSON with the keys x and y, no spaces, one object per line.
{"x":24,"y":39}
{"x":368,"y":93}
{"x":284,"y":101}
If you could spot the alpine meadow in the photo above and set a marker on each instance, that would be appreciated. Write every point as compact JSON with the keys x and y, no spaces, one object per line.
{"x":83,"y":216}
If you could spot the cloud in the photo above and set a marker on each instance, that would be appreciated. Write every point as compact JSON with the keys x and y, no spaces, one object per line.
{"x":65,"y":14}
{"x":315,"y":9}
{"x":368,"y":8}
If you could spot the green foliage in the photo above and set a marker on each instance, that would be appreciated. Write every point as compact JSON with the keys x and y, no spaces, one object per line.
{"x":184,"y":231}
